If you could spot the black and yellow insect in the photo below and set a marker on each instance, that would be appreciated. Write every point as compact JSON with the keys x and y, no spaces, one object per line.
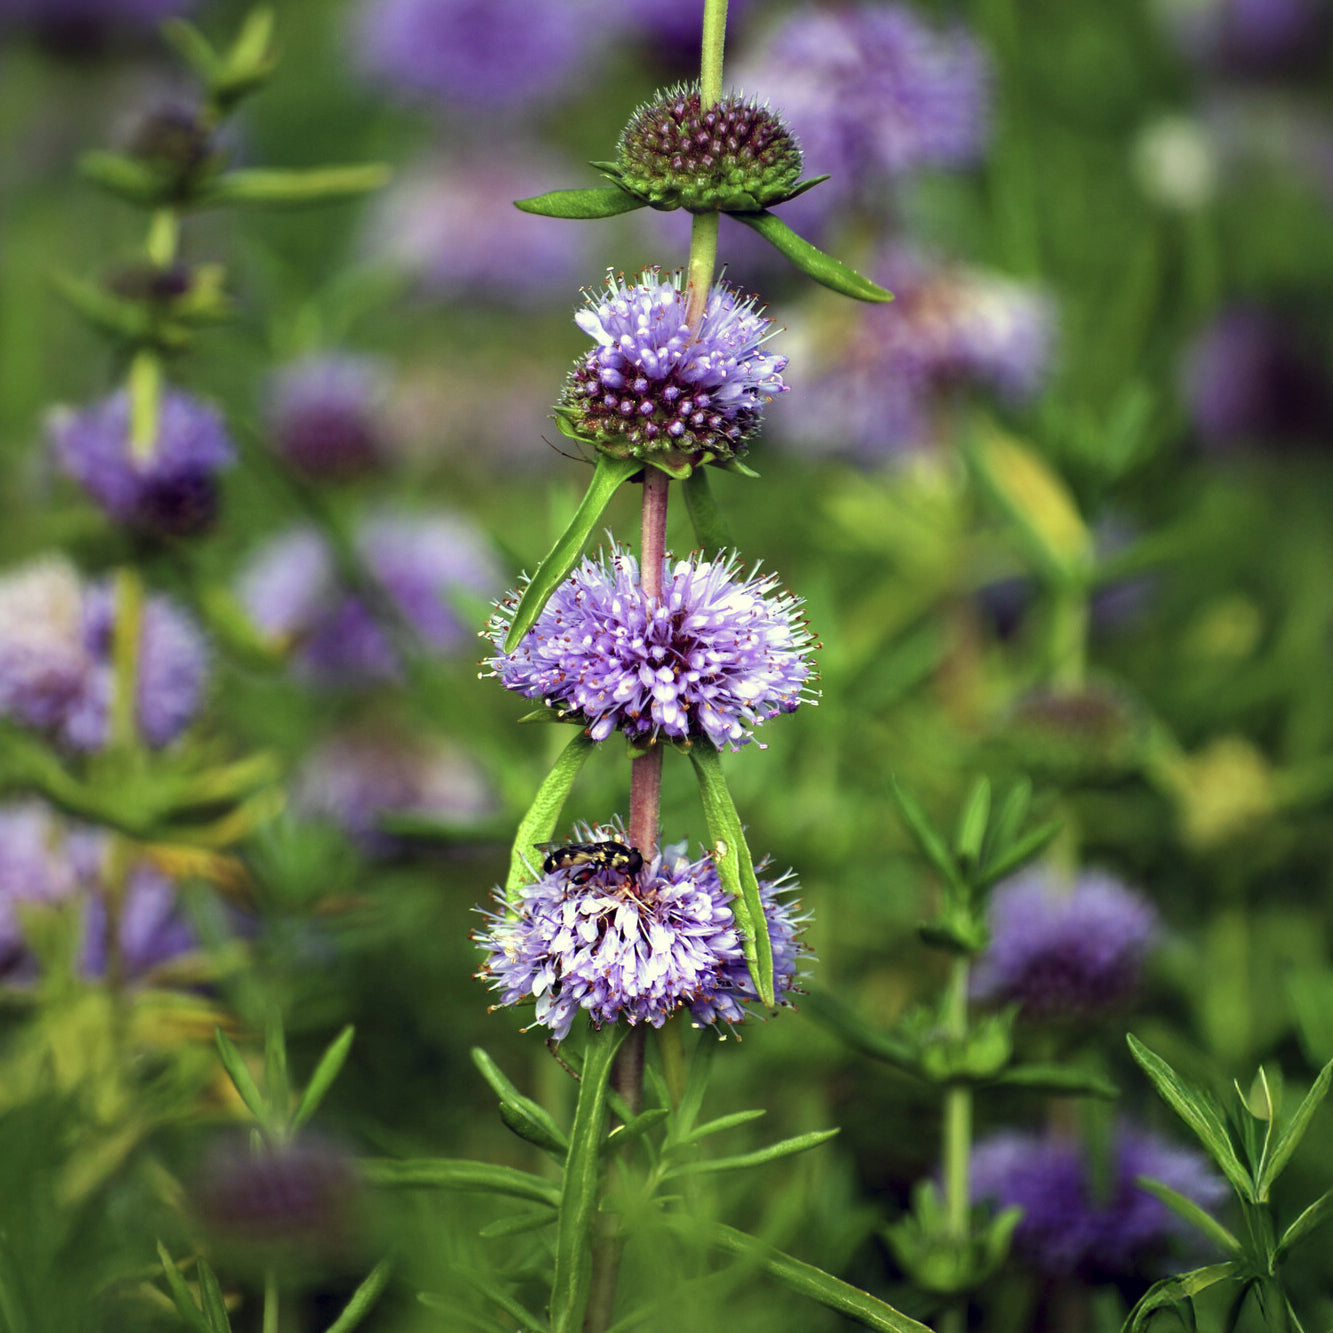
{"x":590,"y":857}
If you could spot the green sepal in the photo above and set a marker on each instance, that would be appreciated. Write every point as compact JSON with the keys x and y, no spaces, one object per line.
{"x":539,"y":823}
{"x":539,"y":1126}
{"x":1189,"y":1211}
{"x":735,"y":866}
{"x":602,"y":201}
{"x":607,"y":478}
{"x":326,"y":1071}
{"x":1176,"y":1293}
{"x":742,"y":1161}
{"x":813,"y":262}
{"x":710,"y":528}
{"x":580,"y":1187}
{"x":1053,"y":1080}
{"x":363,"y":1299}
{"x":807,"y":1280}
{"x":268,"y":187}
{"x":1200,"y":1112}
{"x":461,"y":1174}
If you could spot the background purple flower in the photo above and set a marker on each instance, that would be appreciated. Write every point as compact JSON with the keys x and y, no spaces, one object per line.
{"x":451,"y":226}
{"x":1248,"y":37}
{"x":326,"y":415}
{"x":873,"y":386}
{"x":1064,"y":952}
{"x":639,"y":951}
{"x":173,"y":491}
{"x":415,"y":561}
{"x":475,"y":55}
{"x":717,"y":656}
{"x":1068,"y":1230}
{"x":32,"y":870}
{"x":56,"y":670}
{"x":151,"y":929}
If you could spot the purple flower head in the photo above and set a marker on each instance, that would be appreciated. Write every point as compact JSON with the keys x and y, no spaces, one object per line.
{"x":1247,"y":378}
{"x":1249,"y":38}
{"x":1067,"y":1229}
{"x":356,"y":778}
{"x":172,"y":491}
{"x":716,"y":657}
{"x":152,"y":930}
{"x":640,"y":948}
{"x":413,"y":564}
{"x":325,"y":416}
{"x":33,"y":870}
{"x":873,"y":390}
{"x":451,"y":226}
{"x":874,"y":92}
{"x":475,"y":55}
{"x":654,"y":386}
{"x":56,"y":659}
{"x":1065,"y":952}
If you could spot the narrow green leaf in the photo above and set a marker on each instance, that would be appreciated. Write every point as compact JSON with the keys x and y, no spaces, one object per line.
{"x":600,"y":201}
{"x":718,"y":1126}
{"x":710,"y":528}
{"x":1175,"y":1291}
{"x":607,"y":478}
{"x":215,"y":1308}
{"x":635,"y":1127}
{"x":735,"y":866}
{"x":462,"y":1318}
{"x":193,"y":47}
{"x":972,"y":823}
{"x":181,"y":1296}
{"x":775,"y":1151}
{"x":538,"y":825}
{"x":267,"y":187}
{"x":1019,"y":853}
{"x":807,"y":1280}
{"x":1198,"y":1110}
{"x":696,"y":1083}
{"x":241,"y":1078}
{"x":1009,"y":818}
{"x":580,"y":1189}
{"x":460,"y":1174}
{"x":1293,"y":1131}
{"x":813,"y":262}
{"x":541,"y":1126}
{"x":927,"y":839}
{"x":519,"y":1223}
{"x":122,"y":176}
{"x":1189,"y":1211}
{"x":1057,"y":1081}
{"x":277,"y":1088}
{"x":480,"y":1281}
{"x":1314,"y":1216}
{"x":858,"y":1034}
{"x":363,"y":1298}
{"x":326,"y":1071}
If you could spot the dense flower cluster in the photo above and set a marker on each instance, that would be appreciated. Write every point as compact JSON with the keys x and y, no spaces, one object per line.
{"x":735,"y":154}
{"x":56,"y":672}
{"x":1068,"y":1228}
{"x":653,"y":385}
{"x":325,"y":416}
{"x":639,"y":949}
{"x":413,"y":563}
{"x":870,"y":388}
{"x":718,"y":655}
{"x":1065,"y":952}
{"x":48,"y":861}
{"x":172,"y":489}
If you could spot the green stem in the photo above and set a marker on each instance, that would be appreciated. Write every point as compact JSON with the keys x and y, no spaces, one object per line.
{"x":957,"y":1134}
{"x":1069,"y":636}
{"x":703,"y":260}
{"x":271,"y":1301}
{"x":710,"y":60}
{"x":129,"y":601}
{"x":163,"y":237}
{"x":145,"y":389}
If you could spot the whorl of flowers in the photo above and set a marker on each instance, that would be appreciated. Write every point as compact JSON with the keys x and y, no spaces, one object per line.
{"x":735,"y":154}
{"x":1070,"y":1227}
{"x":639,"y":949}
{"x":172,"y":489}
{"x":655,"y":387}
{"x":325,"y":415}
{"x":718,"y":655}
{"x":1065,"y":952}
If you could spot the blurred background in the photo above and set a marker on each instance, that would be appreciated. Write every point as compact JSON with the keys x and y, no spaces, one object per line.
{"x":1060,"y":510}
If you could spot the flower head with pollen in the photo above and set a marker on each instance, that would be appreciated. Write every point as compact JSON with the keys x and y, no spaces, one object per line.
{"x":656,"y":389}
{"x":719,"y":654}
{"x":638,"y":947}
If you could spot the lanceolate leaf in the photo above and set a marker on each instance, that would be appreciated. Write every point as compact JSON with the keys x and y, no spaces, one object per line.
{"x":1292,"y":1133}
{"x":181,"y":1296}
{"x":818,"y":1285}
{"x":735,"y":866}
{"x":1199,"y":1112}
{"x":581,"y":1187}
{"x":1189,"y":1211}
{"x":602,"y":201}
{"x":860,"y":1035}
{"x":784,"y":1148}
{"x":813,"y":262}
{"x":270,"y":188}
{"x":927,"y":839}
{"x":564,"y":555}
{"x":363,"y":1299}
{"x":328,"y":1069}
{"x":241,"y":1078}
{"x":1178,"y":1292}
{"x":460,"y":1174}
{"x":543,"y":815}
{"x":1319,"y":1212}
{"x":1057,"y":1080}
{"x":1019,"y":853}
{"x":547,"y":1132}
